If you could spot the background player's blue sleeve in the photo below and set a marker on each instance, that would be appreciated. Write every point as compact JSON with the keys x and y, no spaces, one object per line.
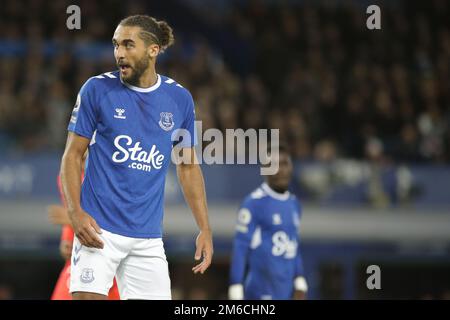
{"x":299,"y":270}
{"x":188,"y":126}
{"x":245,"y":228}
{"x":84,"y":115}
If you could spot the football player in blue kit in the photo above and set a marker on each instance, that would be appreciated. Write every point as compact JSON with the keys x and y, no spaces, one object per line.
{"x":130,"y":120}
{"x":266,"y":261}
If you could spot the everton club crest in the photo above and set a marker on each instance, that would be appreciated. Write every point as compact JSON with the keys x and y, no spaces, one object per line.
{"x":166,"y":122}
{"x":87,"y":275}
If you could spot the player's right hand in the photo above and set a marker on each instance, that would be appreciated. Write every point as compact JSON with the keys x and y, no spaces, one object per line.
{"x":86,"y":229}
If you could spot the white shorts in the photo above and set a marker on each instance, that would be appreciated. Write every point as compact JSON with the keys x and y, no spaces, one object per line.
{"x":139,"y":265}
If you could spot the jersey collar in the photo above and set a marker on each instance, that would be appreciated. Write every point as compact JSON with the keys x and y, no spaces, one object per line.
{"x":274,"y":194}
{"x":149,"y":89}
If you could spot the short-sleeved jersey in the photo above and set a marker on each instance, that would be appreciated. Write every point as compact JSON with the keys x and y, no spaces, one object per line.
{"x":266,"y":257}
{"x":132,"y":132}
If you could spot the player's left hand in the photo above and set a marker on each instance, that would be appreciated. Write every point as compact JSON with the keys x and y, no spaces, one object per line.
{"x":204,"y":249}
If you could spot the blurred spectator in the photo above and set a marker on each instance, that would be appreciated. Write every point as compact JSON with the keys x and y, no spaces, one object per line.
{"x":6,"y":292}
{"x":446,"y":295}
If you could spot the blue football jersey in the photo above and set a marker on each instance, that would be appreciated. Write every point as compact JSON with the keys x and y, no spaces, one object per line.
{"x":266,"y":257}
{"x":132,"y":132}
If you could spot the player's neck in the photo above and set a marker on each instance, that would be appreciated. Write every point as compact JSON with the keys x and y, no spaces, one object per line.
{"x":276,"y":189}
{"x":148,"y":78}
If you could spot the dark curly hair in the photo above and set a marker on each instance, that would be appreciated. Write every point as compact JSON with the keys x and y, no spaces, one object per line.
{"x":153,"y":31}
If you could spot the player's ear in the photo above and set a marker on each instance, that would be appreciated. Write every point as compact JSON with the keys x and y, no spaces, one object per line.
{"x":153,"y":50}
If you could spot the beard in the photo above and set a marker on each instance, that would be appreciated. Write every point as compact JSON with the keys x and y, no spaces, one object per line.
{"x":137,"y":71}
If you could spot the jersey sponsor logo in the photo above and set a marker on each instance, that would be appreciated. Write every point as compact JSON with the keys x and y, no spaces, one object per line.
{"x":283,"y":246}
{"x":87,"y":275}
{"x":142,"y":160}
{"x":166,"y":122}
{"x":119,"y":113}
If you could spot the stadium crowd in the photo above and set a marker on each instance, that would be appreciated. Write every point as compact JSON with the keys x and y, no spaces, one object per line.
{"x":333,"y":87}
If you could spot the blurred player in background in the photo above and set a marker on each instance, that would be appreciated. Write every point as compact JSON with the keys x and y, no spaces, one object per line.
{"x":58,"y":215}
{"x":136,"y":117}
{"x":266,"y":261}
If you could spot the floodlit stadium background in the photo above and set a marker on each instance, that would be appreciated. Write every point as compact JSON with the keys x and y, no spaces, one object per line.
{"x":366,"y":114}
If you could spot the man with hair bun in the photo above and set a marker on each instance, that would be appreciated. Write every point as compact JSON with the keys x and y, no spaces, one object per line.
{"x":129,"y":120}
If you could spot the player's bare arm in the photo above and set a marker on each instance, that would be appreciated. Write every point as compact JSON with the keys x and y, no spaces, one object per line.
{"x":193,"y":186}
{"x":84,"y":226}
